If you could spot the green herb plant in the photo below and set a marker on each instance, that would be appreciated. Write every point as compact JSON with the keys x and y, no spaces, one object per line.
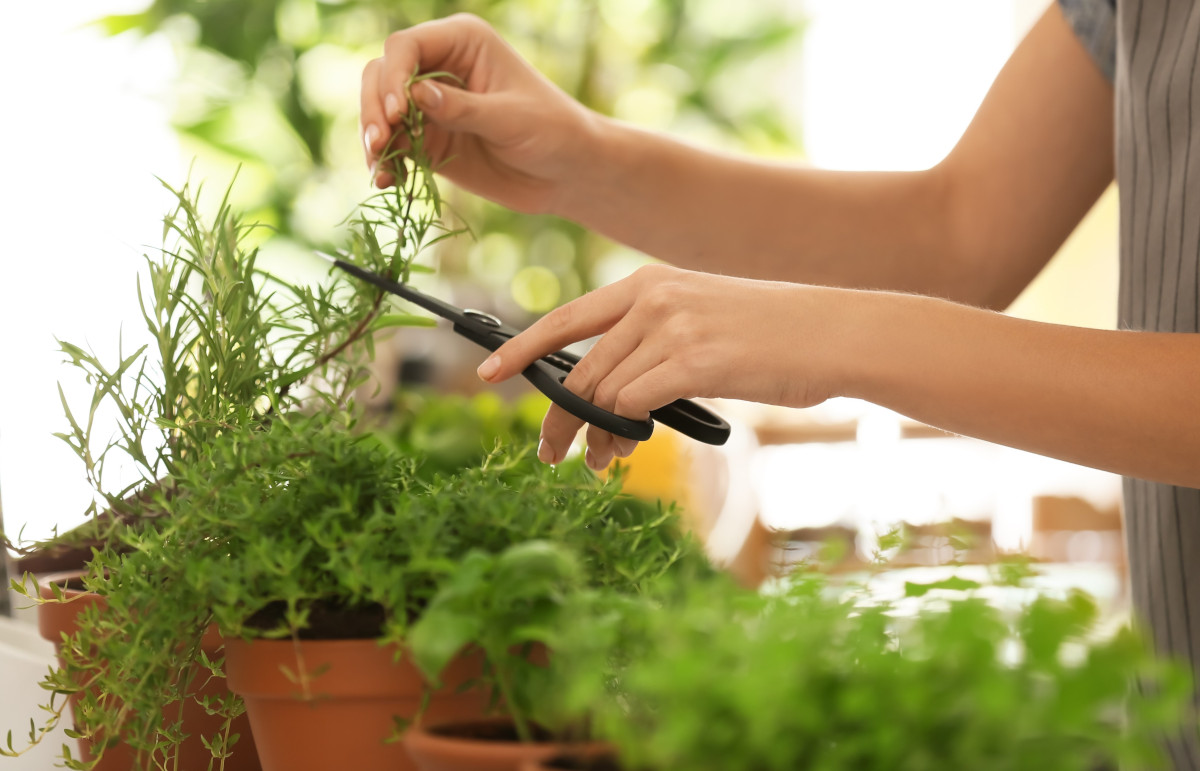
{"x":818,"y":678}
{"x":233,"y":349}
{"x":234,"y":345}
{"x":307,"y":529}
{"x":537,"y":597}
{"x":269,"y":512}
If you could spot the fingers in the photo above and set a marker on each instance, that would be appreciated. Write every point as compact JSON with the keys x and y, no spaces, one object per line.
{"x":425,"y":47}
{"x":602,"y":445}
{"x":559,"y":426}
{"x":376,"y":131}
{"x":558,"y":432}
{"x":585,"y":317}
{"x":619,"y":353}
{"x":648,"y":391}
{"x":455,"y":109}
{"x":442,"y":44}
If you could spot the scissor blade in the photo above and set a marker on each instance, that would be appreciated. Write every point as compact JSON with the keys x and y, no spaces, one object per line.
{"x":416,"y":297}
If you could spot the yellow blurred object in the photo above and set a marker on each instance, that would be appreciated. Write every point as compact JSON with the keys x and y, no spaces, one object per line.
{"x":660,"y":468}
{"x":697,"y":477}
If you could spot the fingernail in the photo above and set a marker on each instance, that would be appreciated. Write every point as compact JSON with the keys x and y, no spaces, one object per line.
{"x":429,"y":96}
{"x":591,"y":461}
{"x":545,"y":453}
{"x":369,"y":137}
{"x":391,"y":106}
{"x":489,"y":368}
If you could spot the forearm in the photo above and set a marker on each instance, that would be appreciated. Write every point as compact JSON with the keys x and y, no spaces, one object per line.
{"x":1125,"y":402}
{"x":724,"y":214}
{"x":976,"y":228}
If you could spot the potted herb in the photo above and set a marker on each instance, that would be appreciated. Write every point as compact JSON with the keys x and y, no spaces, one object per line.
{"x":821,"y":678}
{"x":319,"y":549}
{"x":531,"y":595}
{"x":231,"y":349}
{"x":268,"y":514}
{"x":528,"y":597}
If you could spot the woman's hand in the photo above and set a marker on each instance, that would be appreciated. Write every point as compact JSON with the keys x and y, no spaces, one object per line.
{"x":670,"y":334}
{"x":507,"y":134}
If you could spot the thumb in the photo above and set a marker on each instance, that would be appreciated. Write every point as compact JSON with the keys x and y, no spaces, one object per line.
{"x":453,"y":109}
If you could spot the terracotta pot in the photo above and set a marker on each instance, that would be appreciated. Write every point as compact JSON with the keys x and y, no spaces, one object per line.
{"x":356,"y":690}
{"x":444,"y":747}
{"x":56,"y":619}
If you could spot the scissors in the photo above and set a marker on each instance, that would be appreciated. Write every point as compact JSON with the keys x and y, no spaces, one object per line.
{"x":547,"y":373}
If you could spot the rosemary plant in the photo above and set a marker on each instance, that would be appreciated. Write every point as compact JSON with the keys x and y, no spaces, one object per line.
{"x":233,"y":345}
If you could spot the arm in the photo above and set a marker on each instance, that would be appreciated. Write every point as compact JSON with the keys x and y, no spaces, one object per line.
{"x":1124,"y":402}
{"x":1121,"y":401}
{"x":976,"y":228}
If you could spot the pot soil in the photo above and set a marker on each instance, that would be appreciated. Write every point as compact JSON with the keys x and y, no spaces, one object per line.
{"x":57,"y":618}
{"x":575,"y":762}
{"x":487,"y":745}
{"x":349,"y":705}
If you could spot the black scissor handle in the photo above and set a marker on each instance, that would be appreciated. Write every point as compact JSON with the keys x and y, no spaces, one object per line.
{"x":690,"y":419}
{"x":547,"y":375}
{"x":684,"y":415}
{"x":547,"y":378}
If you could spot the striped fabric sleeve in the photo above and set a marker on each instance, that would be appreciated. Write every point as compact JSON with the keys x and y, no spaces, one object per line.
{"x":1094,"y":22}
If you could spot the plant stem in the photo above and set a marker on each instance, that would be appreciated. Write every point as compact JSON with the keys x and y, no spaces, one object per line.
{"x":520,"y":722}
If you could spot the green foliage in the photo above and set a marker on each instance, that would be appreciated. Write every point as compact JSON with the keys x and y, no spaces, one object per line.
{"x":237,"y":358}
{"x":307,"y":529}
{"x":448,"y":432}
{"x":816,"y":679}
{"x":504,"y":604}
{"x":273,"y":85}
{"x":233,"y":345}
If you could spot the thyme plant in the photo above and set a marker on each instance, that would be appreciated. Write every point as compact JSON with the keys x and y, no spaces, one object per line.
{"x":307,"y":529}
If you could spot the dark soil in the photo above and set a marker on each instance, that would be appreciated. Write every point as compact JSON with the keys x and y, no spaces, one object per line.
{"x":75,"y":584}
{"x":326,"y":621}
{"x":570,"y":763}
{"x":486,"y":731}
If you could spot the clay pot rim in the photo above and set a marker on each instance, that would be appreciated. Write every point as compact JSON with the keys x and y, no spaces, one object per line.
{"x":62,"y":579}
{"x":341,"y":642}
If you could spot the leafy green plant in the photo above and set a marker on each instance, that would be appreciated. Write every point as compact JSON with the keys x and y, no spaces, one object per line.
{"x":234,"y":351}
{"x":816,"y":678}
{"x":305,"y":529}
{"x":505,"y":604}
{"x":535,"y":597}
{"x":448,"y":432}
{"x":233,"y":345}
{"x":265,"y":509}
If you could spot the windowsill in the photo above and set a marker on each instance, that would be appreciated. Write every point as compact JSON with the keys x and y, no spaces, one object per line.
{"x":24,"y":660}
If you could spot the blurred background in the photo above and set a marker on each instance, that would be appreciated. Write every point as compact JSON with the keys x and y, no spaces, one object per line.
{"x":103,"y":96}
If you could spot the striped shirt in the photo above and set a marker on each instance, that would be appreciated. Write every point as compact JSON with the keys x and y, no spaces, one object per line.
{"x":1150,"y":50}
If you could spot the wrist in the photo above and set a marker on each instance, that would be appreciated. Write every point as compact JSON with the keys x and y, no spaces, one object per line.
{"x":593,"y":177}
{"x":867,"y":332}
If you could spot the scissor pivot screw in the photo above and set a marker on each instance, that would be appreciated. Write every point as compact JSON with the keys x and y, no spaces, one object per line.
{"x":486,"y":318}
